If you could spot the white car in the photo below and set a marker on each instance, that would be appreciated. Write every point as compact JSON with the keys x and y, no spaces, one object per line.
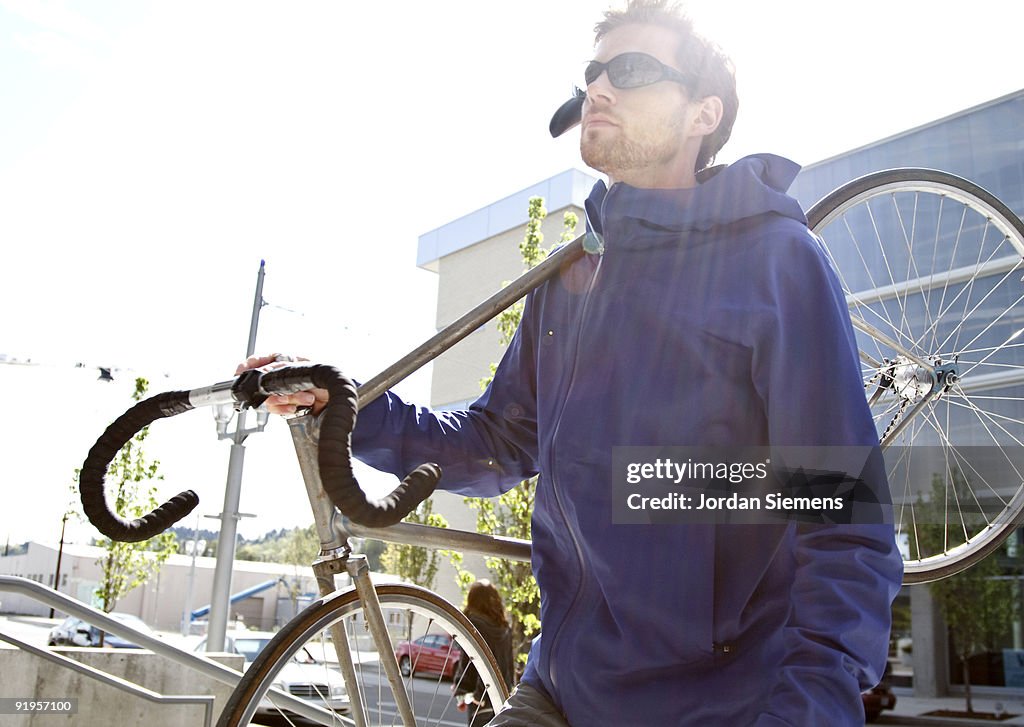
{"x":76,"y":632}
{"x":305,"y":677}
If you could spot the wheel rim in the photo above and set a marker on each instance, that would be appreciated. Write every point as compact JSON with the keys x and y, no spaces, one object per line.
{"x":931,"y":266}
{"x":431,"y":694}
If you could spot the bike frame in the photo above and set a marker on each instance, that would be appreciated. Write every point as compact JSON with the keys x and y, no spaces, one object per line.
{"x":336,"y":556}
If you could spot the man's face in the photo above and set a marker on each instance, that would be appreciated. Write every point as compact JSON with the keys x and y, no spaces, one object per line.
{"x":639,"y":135}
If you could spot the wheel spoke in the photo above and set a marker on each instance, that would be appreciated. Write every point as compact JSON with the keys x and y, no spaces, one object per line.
{"x":954,"y":282}
{"x":434,"y":704}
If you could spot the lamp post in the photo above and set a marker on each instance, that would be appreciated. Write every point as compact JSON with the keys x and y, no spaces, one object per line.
{"x":60,"y":555}
{"x":229,"y":515}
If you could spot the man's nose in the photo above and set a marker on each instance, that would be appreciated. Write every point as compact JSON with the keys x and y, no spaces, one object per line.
{"x":601,"y":89}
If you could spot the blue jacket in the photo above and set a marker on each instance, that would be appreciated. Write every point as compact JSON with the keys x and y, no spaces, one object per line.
{"x":712,"y":317}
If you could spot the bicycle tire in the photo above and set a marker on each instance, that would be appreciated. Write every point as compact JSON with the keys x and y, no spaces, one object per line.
{"x":313,"y":621}
{"x":946,"y":254}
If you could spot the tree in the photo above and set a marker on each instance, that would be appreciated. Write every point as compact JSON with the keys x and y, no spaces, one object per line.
{"x":414,"y":562}
{"x":976,"y":604}
{"x":510,"y":515}
{"x":301,"y":547}
{"x":128,"y":565}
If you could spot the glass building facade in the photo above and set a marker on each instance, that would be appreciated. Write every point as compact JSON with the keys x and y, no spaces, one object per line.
{"x":984,"y":144}
{"x":952,"y":290}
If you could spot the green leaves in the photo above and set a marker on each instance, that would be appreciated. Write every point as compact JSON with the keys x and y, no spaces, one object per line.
{"x":510,"y":514}
{"x":127,"y":566}
{"x":978,"y":604}
{"x":412,"y":562}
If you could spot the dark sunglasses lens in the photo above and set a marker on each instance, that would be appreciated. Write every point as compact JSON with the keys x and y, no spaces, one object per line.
{"x":594,"y":70}
{"x":631,"y":70}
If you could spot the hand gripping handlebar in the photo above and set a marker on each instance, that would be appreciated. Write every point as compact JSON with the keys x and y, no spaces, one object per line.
{"x":251,"y":389}
{"x":337,"y":420}
{"x":335,"y":450}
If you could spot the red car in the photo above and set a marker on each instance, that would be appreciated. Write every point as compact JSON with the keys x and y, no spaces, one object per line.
{"x":434,"y":653}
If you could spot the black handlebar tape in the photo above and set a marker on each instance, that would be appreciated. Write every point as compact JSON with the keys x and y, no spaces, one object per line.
{"x":335,"y":449}
{"x":91,"y":478}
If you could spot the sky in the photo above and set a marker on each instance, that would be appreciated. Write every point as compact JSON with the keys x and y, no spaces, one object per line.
{"x":152,"y":154}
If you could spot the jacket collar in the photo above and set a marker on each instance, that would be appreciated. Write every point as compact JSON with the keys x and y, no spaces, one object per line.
{"x":752,"y":186}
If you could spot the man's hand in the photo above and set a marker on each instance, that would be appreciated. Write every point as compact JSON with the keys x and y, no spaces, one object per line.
{"x":285,"y":404}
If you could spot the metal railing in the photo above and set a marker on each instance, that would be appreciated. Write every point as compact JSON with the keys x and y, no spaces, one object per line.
{"x":206,"y":667}
{"x":123,"y":685}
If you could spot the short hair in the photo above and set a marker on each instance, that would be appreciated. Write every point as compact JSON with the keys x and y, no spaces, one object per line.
{"x":714,"y":72}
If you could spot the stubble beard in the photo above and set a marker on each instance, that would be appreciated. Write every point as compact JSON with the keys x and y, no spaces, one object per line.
{"x":627,"y":152}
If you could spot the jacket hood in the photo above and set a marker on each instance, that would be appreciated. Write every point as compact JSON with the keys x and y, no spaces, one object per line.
{"x":753,"y":186}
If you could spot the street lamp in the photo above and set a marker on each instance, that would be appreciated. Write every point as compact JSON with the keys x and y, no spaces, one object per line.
{"x":60,"y":555}
{"x":229,"y":516}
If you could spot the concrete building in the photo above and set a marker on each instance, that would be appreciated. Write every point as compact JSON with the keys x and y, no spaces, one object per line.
{"x":473,"y":256}
{"x":163,"y":600}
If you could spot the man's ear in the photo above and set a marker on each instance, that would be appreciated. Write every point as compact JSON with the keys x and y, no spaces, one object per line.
{"x":707,"y":115}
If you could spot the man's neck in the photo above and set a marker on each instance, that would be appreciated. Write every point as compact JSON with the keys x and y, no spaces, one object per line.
{"x":654,"y":179}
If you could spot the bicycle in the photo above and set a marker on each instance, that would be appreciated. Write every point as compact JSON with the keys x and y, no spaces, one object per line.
{"x":919,"y":379}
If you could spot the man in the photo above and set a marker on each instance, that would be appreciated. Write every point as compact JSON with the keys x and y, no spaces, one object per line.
{"x":709,"y":317}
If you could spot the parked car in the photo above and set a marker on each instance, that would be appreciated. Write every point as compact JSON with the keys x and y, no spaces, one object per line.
{"x":305,"y":677}
{"x":73,"y":631}
{"x":435,"y":653}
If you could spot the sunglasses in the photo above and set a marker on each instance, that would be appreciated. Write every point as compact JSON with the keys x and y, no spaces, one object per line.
{"x":633,"y":70}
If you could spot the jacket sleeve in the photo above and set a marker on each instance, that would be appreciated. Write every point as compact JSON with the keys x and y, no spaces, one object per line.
{"x":483,"y":451}
{"x":846,"y":575}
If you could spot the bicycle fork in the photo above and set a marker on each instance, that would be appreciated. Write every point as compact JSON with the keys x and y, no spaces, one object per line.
{"x":336,"y":557}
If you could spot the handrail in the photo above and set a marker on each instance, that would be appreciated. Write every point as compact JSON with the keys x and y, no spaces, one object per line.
{"x":117,"y":682}
{"x":206,"y":667}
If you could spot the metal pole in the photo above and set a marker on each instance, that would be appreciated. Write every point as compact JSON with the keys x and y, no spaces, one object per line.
{"x":60,"y":555}
{"x":220,"y":603}
{"x":257,"y":304}
{"x":186,"y":615}
{"x":220,"y":600}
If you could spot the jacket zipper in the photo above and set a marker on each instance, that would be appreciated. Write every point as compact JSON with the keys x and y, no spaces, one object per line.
{"x":554,"y":483}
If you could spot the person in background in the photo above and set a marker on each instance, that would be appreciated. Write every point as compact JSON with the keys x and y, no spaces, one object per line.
{"x":484,"y":608}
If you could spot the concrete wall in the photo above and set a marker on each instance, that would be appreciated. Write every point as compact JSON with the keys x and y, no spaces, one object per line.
{"x":931,"y":648}
{"x":468,"y":277}
{"x":100,"y":705}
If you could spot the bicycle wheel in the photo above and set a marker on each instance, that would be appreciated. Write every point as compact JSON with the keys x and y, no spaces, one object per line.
{"x":931,"y":265}
{"x":421,"y":617}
